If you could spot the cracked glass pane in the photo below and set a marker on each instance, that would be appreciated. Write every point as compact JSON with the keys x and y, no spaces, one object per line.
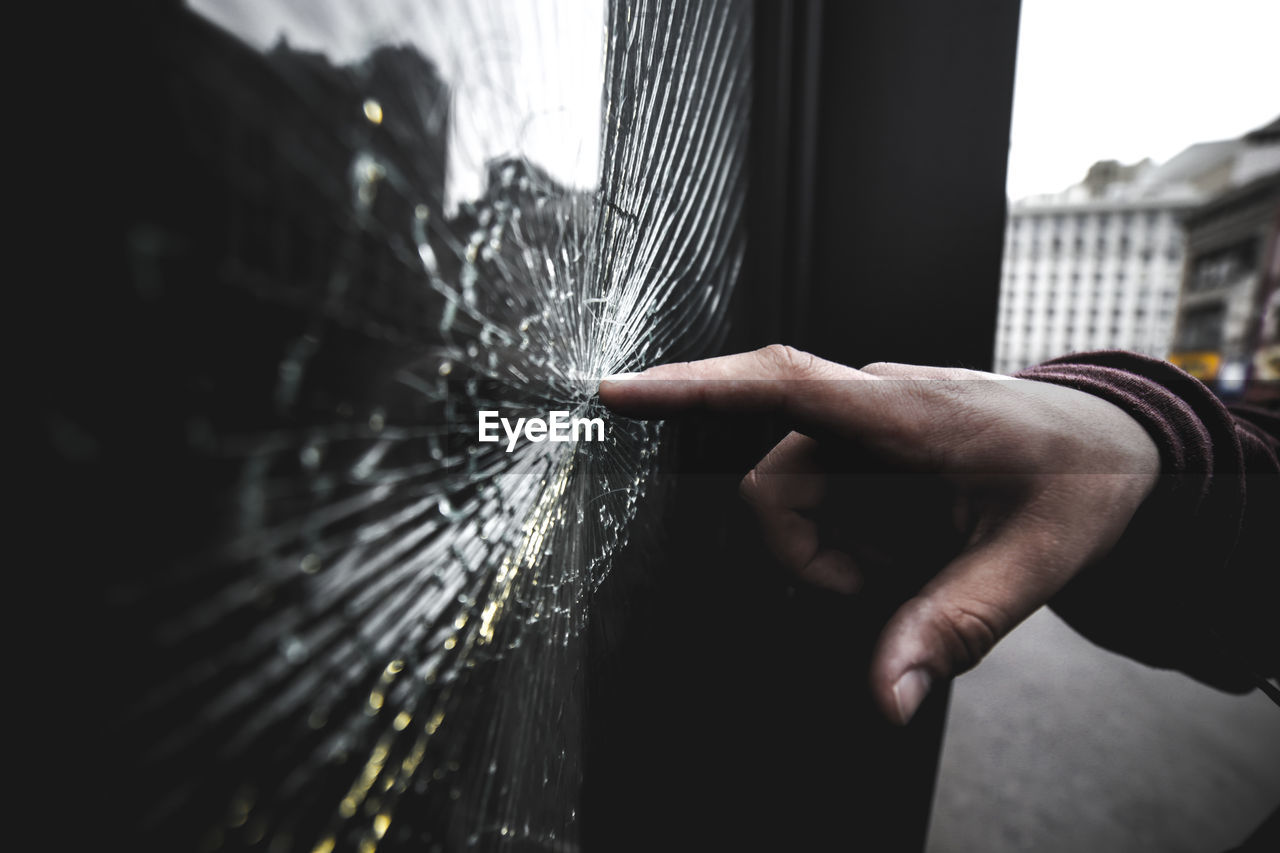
{"x":357,"y":626}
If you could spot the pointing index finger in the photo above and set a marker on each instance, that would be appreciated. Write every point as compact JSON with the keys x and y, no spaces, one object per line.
{"x":810,"y":391}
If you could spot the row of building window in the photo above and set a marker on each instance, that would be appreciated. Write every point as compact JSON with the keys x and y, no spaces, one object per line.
{"x":1072,"y":308}
{"x":1070,"y":332}
{"x":1117,"y":314}
{"x":1033,"y":221}
{"x":1093,"y":336}
{"x":1146,"y":254}
{"x":1097,"y":290}
{"x":1031,"y":278}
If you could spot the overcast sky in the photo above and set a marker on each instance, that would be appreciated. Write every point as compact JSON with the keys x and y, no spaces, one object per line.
{"x":1096,"y":79}
{"x":1127,"y":79}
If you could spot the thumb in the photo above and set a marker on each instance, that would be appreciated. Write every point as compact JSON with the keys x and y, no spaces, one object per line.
{"x":956,"y":619}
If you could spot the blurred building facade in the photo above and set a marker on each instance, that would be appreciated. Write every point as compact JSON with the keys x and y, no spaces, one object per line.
{"x":1226,"y":327}
{"x":1101,"y":265}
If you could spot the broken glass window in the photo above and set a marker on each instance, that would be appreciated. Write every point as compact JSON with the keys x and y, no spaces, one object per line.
{"x":357,"y":627}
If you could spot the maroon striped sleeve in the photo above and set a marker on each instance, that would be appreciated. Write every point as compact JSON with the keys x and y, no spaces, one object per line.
{"x":1194,"y":583}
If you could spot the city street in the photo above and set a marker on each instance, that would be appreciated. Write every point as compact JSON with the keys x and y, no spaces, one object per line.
{"x":1054,"y":745}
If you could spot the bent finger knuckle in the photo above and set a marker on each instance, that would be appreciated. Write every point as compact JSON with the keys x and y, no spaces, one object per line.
{"x":787,"y":360}
{"x":969,"y":632}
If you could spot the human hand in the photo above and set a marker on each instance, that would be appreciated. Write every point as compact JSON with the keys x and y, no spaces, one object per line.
{"x":1040,"y":480}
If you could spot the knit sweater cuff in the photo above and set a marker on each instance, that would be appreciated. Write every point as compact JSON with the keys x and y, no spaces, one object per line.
{"x":1200,"y":454}
{"x":1153,"y":597}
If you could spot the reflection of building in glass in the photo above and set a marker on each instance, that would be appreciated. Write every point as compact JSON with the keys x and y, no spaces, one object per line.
{"x":1099,"y":265}
{"x":315,"y":167}
{"x":1226,"y":325}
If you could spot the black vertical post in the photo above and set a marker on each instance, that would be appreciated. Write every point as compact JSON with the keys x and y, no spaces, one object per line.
{"x":909,"y":197}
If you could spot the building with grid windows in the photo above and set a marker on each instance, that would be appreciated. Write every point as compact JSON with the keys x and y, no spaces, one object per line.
{"x":1088,"y":275}
{"x":1099,"y":265}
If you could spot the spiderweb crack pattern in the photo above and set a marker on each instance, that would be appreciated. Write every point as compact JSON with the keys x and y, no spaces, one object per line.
{"x":379,"y":643}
